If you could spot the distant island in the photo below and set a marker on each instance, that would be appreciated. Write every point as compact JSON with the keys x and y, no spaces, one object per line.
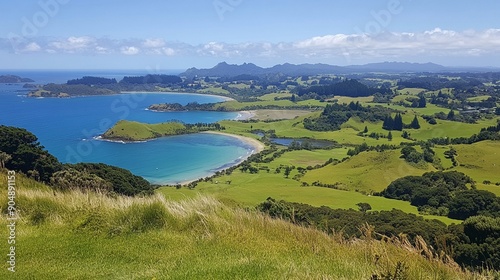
{"x":103,"y":86}
{"x":131,"y":131}
{"x":13,"y":79}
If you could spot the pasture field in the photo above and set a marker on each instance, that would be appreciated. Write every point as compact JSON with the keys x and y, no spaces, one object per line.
{"x":368,"y":171}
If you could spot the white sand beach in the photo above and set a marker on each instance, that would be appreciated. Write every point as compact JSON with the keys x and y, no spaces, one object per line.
{"x":259,"y":146}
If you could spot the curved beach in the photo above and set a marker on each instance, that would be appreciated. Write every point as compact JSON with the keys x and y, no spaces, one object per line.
{"x":258,"y":146}
{"x":255,"y":144}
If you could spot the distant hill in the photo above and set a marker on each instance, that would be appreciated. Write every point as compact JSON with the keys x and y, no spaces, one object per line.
{"x":7,"y":79}
{"x":224,"y":69}
{"x":398,"y":67}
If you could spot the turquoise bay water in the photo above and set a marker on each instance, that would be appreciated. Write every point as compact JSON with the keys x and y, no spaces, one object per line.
{"x":67,"y":128}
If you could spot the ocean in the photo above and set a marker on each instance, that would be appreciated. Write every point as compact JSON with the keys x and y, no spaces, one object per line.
{"x":68,"y":127}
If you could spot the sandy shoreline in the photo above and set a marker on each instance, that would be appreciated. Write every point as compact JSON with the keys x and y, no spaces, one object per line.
{"x":257,"y":148}
{"x":256,"y":144}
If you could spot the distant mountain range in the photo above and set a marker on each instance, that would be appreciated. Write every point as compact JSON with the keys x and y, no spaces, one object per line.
{"x":224,"y":69}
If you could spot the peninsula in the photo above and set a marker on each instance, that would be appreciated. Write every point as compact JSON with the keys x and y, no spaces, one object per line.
{"x":131,"y":131}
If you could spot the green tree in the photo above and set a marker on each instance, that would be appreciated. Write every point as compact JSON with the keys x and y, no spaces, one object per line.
{"x":288,"y":170}
{"x":407,"y":150}
{"x":429,"y":155}
{"x":414,"y":123}
{"x":388,"y":123}
{"x":363,"y":207}
{"x":398,"y":122}
{"x":479,"y":228}
{"x":366,"y":129}
{"x":451,"y":115}
{"x":389,"y":136}
{"x":26,"y":153}
{"x":414,"y":157}
{"x":469,"y":203}
{"x":122,"y":180}
{"x":405,"y":135}
{"x":422,"y":102}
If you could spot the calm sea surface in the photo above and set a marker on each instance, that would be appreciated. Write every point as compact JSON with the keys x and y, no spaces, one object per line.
{"x":67,"y":128}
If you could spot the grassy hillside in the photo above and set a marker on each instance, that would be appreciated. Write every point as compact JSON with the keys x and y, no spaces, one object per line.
{"x":481,"y":161}
{"x":136,"y":131}
{"x":368,"y":171}
{"x":74,"y":235}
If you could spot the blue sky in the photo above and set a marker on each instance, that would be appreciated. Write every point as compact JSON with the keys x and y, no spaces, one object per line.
{"x":161,"y":34}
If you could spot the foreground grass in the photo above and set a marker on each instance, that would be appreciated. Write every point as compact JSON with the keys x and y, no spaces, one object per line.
{"x":75,"y":235}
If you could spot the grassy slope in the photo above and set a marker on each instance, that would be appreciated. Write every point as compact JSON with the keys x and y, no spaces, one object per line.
{"x":368,"y":171}
{"x":481,"y":161}
{"x":279,"y":114}
{"x":251,"y":189}
{"x":88,"y":236}
{"x":136,"y":131}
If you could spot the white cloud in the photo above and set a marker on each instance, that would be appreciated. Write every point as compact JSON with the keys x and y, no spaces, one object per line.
{"x":74,"y":44}
{"x":404,"y":45}
{"x":153,"y":43}
{"x":437,"y":41}
{"x":32,"y":47}
{"x":129,"y":50}
{"x":169,"y":51}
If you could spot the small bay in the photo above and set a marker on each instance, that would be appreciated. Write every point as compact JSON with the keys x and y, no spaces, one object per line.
{"x":68,"y":128}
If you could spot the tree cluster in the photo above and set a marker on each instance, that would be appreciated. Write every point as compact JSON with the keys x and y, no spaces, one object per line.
{"x":54,"y":90}
{"x":446,"y":193}
{"x":89,"y":81}
{"x":410,"y":154}
{"x":396,"y":123}
{"x":20,"y":151}
{"x":334,"y":115}
{"x":351,"y":88}
{"x":436,"y":83}
{"x":152,"y":79}
{"x":26,"y":154}
{"x":121,"y":180}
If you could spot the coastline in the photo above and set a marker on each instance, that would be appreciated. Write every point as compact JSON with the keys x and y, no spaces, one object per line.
{"x":257,"y":148}
{"x":256,"y":144}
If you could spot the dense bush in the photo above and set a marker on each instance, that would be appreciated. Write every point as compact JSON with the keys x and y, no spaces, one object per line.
{"x":334,"y":115}
{"x":351,"y":88}
{"x":86,"y":80}
{"x":72,"y":179}
{"x":26,"y":153}
{"x":122,"y":180}
{"x":445,"y":192}
{"x":152,"y":79}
